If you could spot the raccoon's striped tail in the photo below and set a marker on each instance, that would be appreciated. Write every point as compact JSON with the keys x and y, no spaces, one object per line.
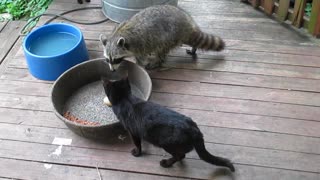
{"x":206,"y":41}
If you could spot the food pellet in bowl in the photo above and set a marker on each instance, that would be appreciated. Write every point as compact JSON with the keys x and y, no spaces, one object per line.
{"x":87,"y":103}
{"x":72,"y":118}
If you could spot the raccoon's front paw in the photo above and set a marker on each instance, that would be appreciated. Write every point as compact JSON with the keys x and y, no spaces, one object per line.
{"x":136,"y":152}
{"x":165,"y":163}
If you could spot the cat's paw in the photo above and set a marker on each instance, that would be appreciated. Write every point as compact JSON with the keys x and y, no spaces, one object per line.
{"x":136,"y":152}
{"x":164,"y":163}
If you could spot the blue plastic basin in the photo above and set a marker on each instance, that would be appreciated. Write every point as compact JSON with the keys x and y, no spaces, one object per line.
{"x":52,"y":49}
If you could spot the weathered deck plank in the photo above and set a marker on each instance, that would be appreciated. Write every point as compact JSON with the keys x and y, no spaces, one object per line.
{"x":147,"y":164}
{"x":9,"y":36}
{"x":219,"y":135}
{"x":237,"y":106}
{"x":275,"y":82}
{"x":224,"y":56}
{"x":204,"y":118}
{"x":43,"y":170}
{"x":182,"y":87}
{"x":219,"y":16}
{"x":192,"y":102}
{"x":2,"y":25}
{"x":215,"y":63}
{"x":214,"y":136}
{"x":228,"y":78}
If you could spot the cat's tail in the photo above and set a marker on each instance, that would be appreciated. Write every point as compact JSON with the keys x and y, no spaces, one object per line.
{"x":206,"y":156}
{"x":205,"y":41}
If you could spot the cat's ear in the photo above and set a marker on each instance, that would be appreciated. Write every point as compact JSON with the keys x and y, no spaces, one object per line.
{"x":121,"y":42}
{"x":103,"y":39}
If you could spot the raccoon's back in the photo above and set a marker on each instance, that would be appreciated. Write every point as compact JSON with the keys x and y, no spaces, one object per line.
{"x":157,"y":26}
{"x":160,"y":18}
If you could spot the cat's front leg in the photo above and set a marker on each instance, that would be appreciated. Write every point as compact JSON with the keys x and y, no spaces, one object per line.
{"x":137,"y":142}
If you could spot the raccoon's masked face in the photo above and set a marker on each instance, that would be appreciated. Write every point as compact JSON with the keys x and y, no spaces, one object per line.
{"x":115,"y":49}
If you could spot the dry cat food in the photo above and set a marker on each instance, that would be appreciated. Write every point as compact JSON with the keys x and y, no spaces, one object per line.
{"x":87,"y":103}
{"x":72,"y":118}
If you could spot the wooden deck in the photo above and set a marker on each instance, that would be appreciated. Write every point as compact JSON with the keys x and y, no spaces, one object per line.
{"x":257,"y":103}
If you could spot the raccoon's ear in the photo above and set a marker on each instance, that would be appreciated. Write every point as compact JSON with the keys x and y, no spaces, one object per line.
{"x":121,"y":42}
{"x":103,"y":39}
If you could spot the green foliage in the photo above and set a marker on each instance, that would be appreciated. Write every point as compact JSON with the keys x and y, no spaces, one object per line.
{"x":308,"y":9}
{"x":23,"y":8}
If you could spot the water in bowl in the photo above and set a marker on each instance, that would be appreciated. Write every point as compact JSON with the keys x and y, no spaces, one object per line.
{"x":53,"y":44}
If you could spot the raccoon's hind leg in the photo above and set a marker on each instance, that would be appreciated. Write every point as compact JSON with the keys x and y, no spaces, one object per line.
{"x":161,"y":59}
{"x":158,"y":62}
{"x":142,"y":60}
{"x":153,"y":65}
{"x":191,"y":43}
{"x":192,"y":52}
{"x":202,"y":40}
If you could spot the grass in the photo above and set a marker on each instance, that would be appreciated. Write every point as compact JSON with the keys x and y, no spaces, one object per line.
{"x":22,"y":9}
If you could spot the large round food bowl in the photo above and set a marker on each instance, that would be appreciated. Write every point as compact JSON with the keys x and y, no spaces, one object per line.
{"x":86,"y":73}
{"x":52,"y":49}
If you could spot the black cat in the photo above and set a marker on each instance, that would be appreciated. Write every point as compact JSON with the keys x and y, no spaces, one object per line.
{"x":81,"y":1}
{"x":160,"y":126}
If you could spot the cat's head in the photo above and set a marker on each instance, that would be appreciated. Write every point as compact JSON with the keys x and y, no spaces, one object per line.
{"x":115,"y":49}
{"x":116,"y":89}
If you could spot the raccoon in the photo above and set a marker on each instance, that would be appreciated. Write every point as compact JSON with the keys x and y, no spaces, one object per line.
{"x":156,"y":30}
